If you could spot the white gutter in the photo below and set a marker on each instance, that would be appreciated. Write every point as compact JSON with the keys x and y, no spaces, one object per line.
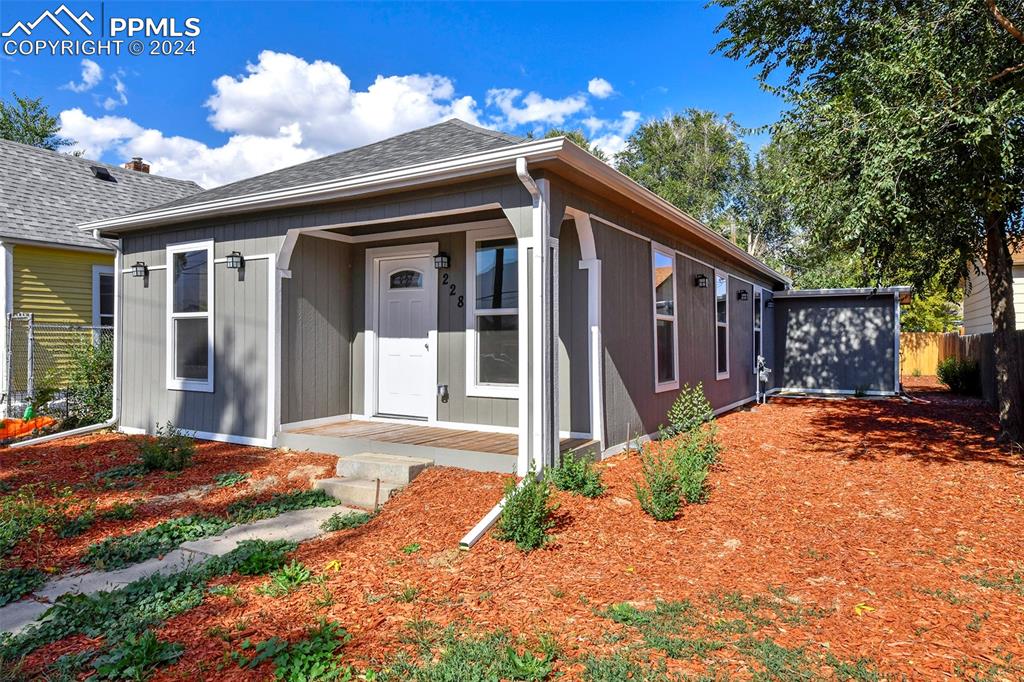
{"x":489,"y":519}
{"x":115,"y":408}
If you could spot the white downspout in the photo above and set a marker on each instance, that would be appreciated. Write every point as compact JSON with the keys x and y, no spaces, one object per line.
{"x":115,"y":408}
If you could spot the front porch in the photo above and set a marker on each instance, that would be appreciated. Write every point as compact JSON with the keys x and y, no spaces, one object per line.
{"x":466,"y":449}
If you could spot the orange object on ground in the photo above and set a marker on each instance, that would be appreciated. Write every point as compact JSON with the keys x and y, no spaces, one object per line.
{"x":12,"y":428}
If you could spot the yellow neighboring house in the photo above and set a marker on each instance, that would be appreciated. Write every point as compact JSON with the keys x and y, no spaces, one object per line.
{"x":50,"y":268}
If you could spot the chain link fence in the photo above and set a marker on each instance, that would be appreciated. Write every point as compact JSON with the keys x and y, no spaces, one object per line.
{"x":51,"y":364}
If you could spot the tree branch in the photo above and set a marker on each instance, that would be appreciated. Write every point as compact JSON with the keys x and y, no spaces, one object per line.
{"x":1006,"y":72}
{"x":1004,"y":22}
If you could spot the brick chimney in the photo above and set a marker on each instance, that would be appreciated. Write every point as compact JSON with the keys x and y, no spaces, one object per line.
{"x":137,"y":164}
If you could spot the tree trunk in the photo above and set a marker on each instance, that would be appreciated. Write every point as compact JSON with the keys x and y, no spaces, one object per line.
{"x":1009,"y":369}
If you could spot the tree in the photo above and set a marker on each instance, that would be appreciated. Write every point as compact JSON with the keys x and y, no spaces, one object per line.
{"x":695,"y":160}
{"x":908,"y":119}
{"x":29,"y":121}
{"x":579,"y":139}
{"x":768,"y":221}
{"x":930,"y":311}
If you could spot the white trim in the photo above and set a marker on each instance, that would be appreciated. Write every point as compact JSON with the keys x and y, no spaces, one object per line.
{"x":896,"y":343}
{"x":595,"y":350}
{"x":205,"y":435}
{"x":732,"y":406}
{"x":273,"y":349}
{"x":319,"y":421}
{"x":7,"y":300}
{"x":460,"y":426}
{"x":901,"y":292}
{"x":324,"y":231}
{"x":473,"y":387}
{"x":131,"y":430}
{"x":757,"y":316}
{"x":372,"y":281}
{"x":457,"y":167}
{"x":173,"y":382}
{"x":824,"y":391}
{"x":98,"y":270}
{"x":656,"y":317}
{"x":719,"y":376}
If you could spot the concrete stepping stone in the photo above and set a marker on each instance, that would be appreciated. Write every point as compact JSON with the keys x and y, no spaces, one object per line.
{"x":360,"y":475}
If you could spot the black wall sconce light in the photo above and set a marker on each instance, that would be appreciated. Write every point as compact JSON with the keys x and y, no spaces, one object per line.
{"x":235,"y":261}
{"x":139,"y":269}
{"x":701,"y":281}
{"x":441,"y":261}
{"x":743,"y":295}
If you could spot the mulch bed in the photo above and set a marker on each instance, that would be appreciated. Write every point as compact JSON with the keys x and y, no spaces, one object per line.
{"x":71,"y":464}
{"x":863,"y":508}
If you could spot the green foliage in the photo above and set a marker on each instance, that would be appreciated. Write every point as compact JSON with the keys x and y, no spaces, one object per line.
{"x":1008,"y":582}
{"x":694,"y":453}
{"x":20,"y":514}
{"x":665,"y":617}
{"x":311,"y":659}
{"x":577,"y":474}
{"x":961,"y":376}
{"x":779,"y":662}
{"x":90,"y":382}
{"x":133,"y":470}
{"x":259,"y":557}
{"x":15,"y":583}
{"x":119,"y":551}
{"x":346,"y":520}
{"x":169,"y":450}
{"x":929,"y":311}
{"x":411,"y":548}
{"x":250,"y":508}
{"x":618,"y":667}
{"x":73,"y":526}
{"x":528,"y":514}
{"x":286,"y":580}
{"x":579,"y":139}
{"x":28,"y":121}
{"x":690,"y":409}
{"x":229,"y":479}
{"x":660,"y":495}
{"x":859,"y":670}
{"x":136,"y":657}
{"x":121,"y":511}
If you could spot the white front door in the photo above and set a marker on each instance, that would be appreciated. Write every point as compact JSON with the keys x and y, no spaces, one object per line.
{"x":406,"y":330}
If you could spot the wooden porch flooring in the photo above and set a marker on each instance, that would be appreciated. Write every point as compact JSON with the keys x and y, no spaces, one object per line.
{"x":431,"y":436}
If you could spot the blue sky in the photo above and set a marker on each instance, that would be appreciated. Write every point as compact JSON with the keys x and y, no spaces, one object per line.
{"x":294,"y":80}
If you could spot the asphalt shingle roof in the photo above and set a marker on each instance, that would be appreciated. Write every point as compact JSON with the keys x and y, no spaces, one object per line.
{"x":440,"y":141}
{"x":44,"y":194}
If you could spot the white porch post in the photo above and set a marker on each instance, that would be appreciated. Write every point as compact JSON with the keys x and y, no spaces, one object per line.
{"x":591,"y":263}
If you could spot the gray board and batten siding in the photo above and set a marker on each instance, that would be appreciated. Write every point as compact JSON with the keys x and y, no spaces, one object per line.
{"x":837,"y":344}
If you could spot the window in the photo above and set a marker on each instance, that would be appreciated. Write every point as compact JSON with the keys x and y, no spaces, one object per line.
{"x":492,"y":317}
{"x":722,"y":325}
{"x":666,"y":346}
{"x":190,"y":316}
{"x":758,"y":311}
{"x":406,"y":279}
{"x":102,"y":296}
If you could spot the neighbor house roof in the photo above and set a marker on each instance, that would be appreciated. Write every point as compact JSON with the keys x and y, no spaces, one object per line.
{"x":44,"y":194}
{"x":445,"y":152}
{"x":904,"y":293}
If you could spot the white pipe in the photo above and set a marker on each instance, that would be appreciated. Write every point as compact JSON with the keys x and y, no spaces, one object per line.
{"x":115,"y":407}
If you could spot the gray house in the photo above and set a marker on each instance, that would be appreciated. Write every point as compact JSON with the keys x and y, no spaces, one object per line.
{"x":453,"y":292}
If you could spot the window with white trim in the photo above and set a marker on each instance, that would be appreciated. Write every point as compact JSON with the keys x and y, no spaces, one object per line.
{"x":102,"y":296}
{"x":758,"y":312}
{"x":666,"y":334}
{"x":722,"y":325}
{"x":190,"y":316}
{"x":492,"y":316}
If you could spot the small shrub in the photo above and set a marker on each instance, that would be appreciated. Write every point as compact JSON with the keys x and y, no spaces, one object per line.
{"x":119,"y":551}
{"x":660,"y":495}
{"x":690,"y":409}
{"x":577,"y":474}
{"x":961,"y":376}
{"x":20,"y":514}
{"x":15,"y":583}
{"x":136,"y":657}
{"x":121,"y":511}
{"x":694,"y":453}
{"x":346,"y":520}
{"x":90,"y":382}
{"x":527,"y":515}
{"x":169,"y":450}
{"x":311,"y":659}
{"x":229,"y":479}
{"x":250,"y":509}
{"x":257,"y":557}
{"x":286,"y":580}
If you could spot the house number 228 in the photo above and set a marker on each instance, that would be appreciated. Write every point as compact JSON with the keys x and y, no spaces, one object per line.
{"x":452,"y":291}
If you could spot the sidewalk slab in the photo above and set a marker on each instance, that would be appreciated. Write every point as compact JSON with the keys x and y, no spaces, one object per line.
{"x":294,"y":526}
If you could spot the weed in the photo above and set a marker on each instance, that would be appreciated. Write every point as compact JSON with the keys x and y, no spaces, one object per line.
{"x":169,"y":450}
{"x":858,"y":670}
{"x":15,"y":583}
{"x":259,"y":557}
{"x":411,"y":548}
{"x":749,"y":607}
{"x":1009,"y":582}
{"x":690,"y":410}
{"x":136,"y":657}
{"x":20,"y":514}
{"x":346,"y":520}
{"x":121,"y":511}
{"x":577,"y":474}
{"x":493,"y":656}
{"x":119,"y":551}
{"x":408,"y":594}
{"x":618,"y":667}
{"x":961,"y":376}
{"x":666,"y":616}
{"x":229,"y":479}
{"x":976,"y":621}
{"x":286,"y":580}
{"x":325,"y":599}
{"x":250,"y":509}
{"x":311,"y":659}
{"x":947,"y":596}
{"x":683,"y":647}
{"x":229,"y":591}
{"x":527,"y":515}
{"x":736,"y":626}
{"x":779,"y":662}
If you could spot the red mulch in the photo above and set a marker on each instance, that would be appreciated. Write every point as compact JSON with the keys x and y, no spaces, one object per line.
{"x":847,"y":504}
{"x":72,"y":463}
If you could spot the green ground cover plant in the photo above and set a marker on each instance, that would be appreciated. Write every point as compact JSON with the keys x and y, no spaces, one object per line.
{"x":118,"y":551}
{"x":249,"y":509}
{"x":314,"y":658}
{"x":229,"y":479}
{"x":286,"y":580}
{"x":15,"y":583}
{"x":346,"y":521}
{"x":136,"y":657}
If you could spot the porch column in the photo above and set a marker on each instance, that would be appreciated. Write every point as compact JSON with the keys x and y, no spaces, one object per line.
{"x":592,"y":264}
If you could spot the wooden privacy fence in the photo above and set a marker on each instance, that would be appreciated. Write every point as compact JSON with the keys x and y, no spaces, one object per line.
{"x":921,"y":352}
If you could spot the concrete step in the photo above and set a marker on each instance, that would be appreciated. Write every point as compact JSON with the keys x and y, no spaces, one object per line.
{"x":357,"y":492}
{"x":373,"y":465}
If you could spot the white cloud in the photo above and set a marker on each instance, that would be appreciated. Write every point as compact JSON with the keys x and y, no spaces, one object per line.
{"x":600,"y":88}
{"x":111,"y":103}
{"x":533,"y":107}
{"x":612,"y":139}
{"x":92,"y":74}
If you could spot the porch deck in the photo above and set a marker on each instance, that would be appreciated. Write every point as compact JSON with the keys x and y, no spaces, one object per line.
{"x":477,"y":450}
